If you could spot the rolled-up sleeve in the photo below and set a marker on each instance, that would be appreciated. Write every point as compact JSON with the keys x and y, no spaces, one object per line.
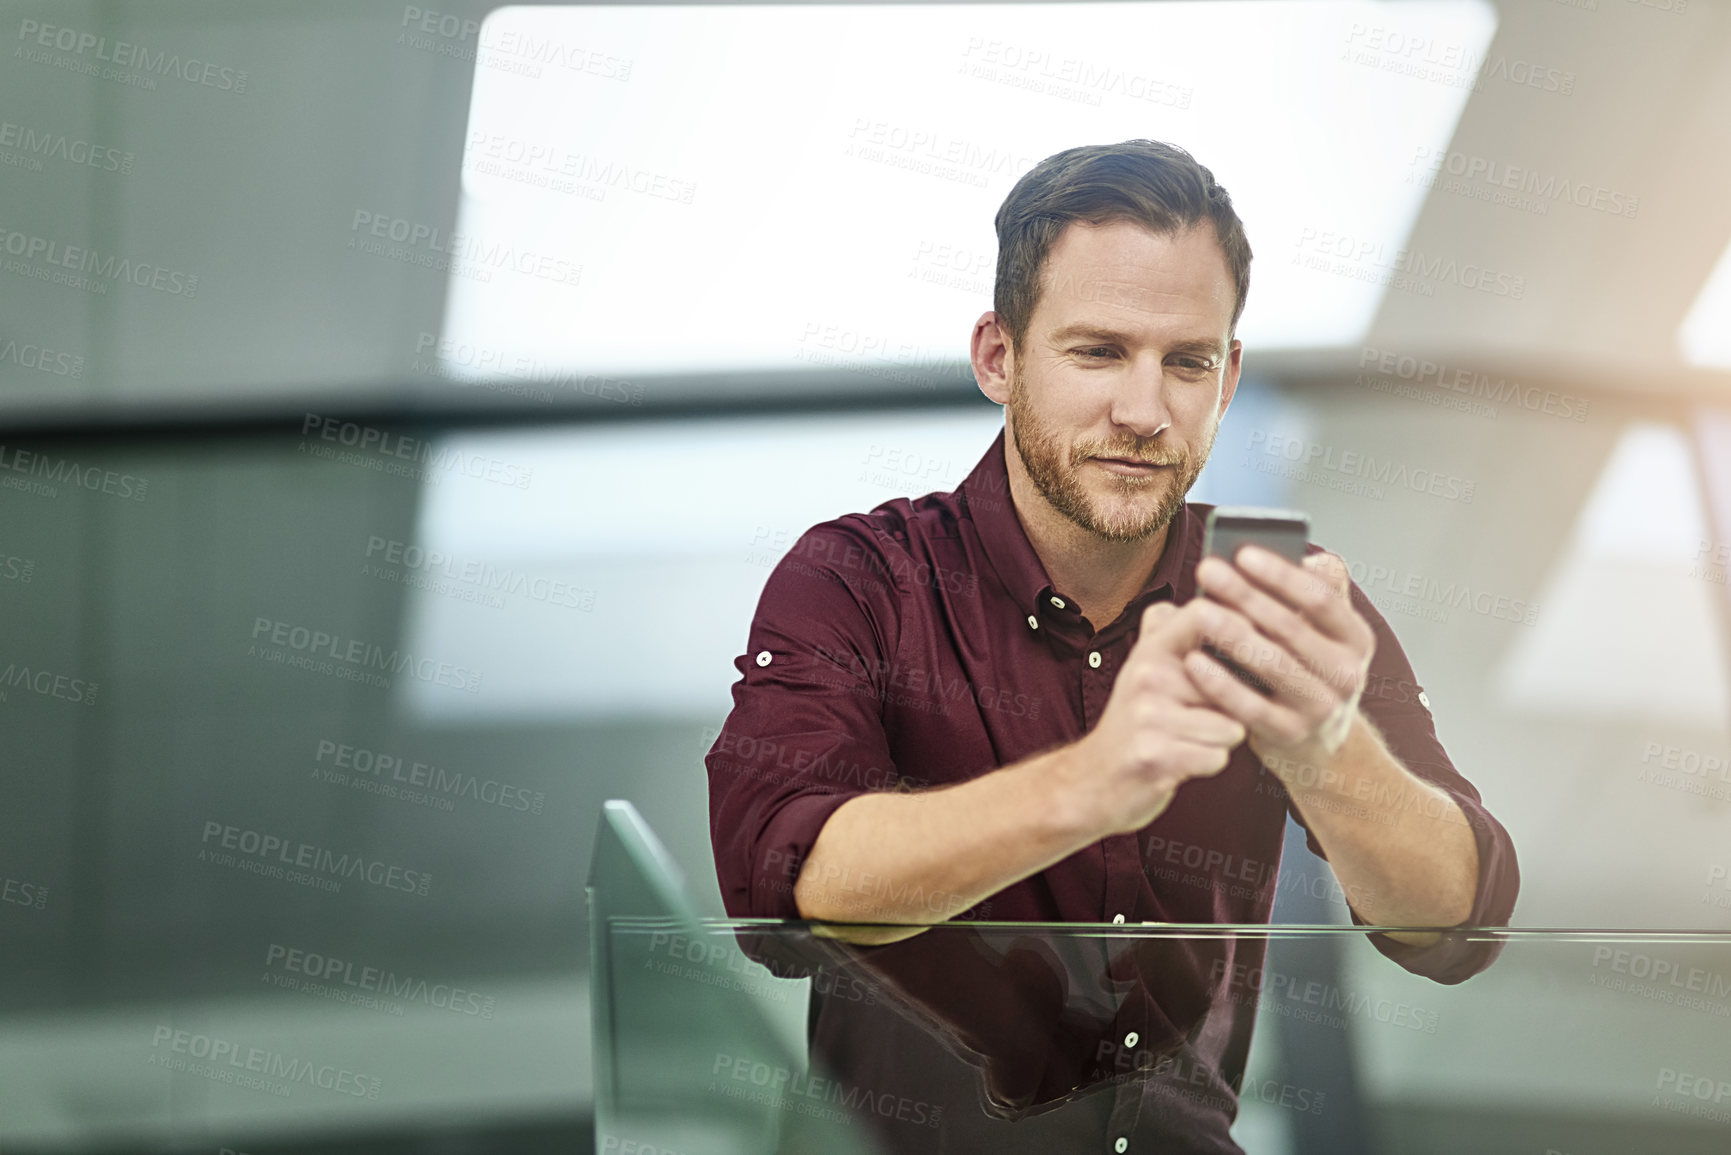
{"x":1397,"y":705}
{"x":806,"y":732}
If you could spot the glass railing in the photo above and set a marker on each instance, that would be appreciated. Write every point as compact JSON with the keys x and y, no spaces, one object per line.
{"x":763,"y":1036}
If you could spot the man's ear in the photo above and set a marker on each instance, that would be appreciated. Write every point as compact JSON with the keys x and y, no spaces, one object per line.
{"x":1229,"y":380}
{"x":992,"y":358}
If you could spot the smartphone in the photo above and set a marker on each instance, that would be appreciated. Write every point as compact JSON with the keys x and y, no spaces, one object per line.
{"x":1282,"y":531}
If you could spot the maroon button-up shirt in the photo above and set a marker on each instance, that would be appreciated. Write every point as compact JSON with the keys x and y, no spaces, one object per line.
{"x":922,"y":644}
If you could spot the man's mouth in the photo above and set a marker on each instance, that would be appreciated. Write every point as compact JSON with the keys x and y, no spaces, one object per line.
{"x":1130,"y":464}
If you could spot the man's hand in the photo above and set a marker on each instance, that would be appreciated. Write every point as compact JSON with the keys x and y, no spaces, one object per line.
{"x":1293,"y":626}
{"x":1400,"y":841}
{"x":1156,"y":731}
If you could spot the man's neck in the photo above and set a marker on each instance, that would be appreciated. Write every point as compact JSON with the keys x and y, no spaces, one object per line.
{"x":1101,"y":576}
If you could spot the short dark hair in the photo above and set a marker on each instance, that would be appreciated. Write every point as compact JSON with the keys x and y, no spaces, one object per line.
{"x":1145,"y":181}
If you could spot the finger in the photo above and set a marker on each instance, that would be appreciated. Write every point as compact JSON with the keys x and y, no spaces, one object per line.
{"x":1184,"y":760}
{"x":1330,"y":567}
{"x":1202,"y":725}
{"x":1331,"y":662}
{"x":1319,"y":590}
{"x":1268,"y":718}
{"x":1153,"y":618}
{"x":1292,"y":678}
{"x":1332,"y":572}
{"x":1171,"y":629}
{"x":1229,"y":586}
{"x":1152,"y":668}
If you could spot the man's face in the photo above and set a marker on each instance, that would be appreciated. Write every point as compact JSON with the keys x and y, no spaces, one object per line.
{"x":1126,"y":357}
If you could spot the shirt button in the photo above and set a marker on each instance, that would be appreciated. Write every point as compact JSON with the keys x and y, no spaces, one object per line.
{"x":1423,"y":699}
{"x":763,"y":657}
{"x":1117,"y":918}
{"x":1122,"y":1145}
{"x":1094,"y":659}
{"x":1058,"y":602}
{"x":1033,"y":622}
{"x":1131,"y":1039}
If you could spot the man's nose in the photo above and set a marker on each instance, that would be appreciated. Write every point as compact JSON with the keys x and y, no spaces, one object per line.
{"x":1140,"y":405}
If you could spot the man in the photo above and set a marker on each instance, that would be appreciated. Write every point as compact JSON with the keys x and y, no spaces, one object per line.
{"x":1024,"y":660}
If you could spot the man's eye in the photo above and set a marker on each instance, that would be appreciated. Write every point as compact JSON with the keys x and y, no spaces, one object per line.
{"x":1097,"y":352}
{"x":1195,"y":365}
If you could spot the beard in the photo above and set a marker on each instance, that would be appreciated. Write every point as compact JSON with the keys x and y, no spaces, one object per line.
{"x":1139,"y":507}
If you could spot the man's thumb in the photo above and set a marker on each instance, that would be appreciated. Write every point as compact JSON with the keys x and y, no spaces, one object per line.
{"x":1156,"y":616}
{"x":1174,"y":638}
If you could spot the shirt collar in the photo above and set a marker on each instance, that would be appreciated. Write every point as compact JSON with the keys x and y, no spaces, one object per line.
{"x":987,"y":502}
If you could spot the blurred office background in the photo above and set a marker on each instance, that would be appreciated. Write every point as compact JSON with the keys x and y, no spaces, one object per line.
{"x":404,"y":406}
